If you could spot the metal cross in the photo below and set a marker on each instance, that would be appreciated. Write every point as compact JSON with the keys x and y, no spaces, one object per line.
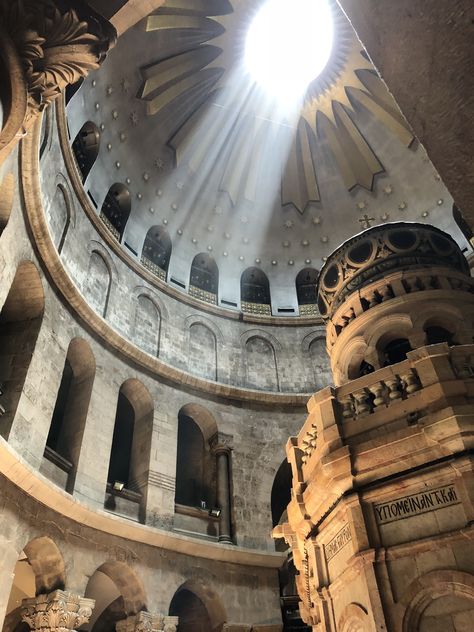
{"x":366,"y":220}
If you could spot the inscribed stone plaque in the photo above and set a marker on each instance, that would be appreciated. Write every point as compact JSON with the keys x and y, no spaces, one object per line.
{"x":416,"y":504}
{"x":339,"y":541}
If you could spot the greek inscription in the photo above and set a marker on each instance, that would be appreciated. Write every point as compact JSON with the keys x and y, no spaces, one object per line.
{"x":416,"y":504}
{"x":339,"y":541}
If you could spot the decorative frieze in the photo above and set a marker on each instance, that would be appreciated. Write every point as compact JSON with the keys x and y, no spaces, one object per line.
{"x":58,"y":611}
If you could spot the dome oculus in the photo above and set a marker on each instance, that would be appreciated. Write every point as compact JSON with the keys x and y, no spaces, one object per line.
{"x":288,"y":45}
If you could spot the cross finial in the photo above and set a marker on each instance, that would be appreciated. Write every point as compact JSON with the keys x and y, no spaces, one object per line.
{"x":366,"y":221}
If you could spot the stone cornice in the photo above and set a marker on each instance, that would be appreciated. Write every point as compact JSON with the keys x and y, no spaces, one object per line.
{"x":91,"y":214}
{"x":52,"y":264}
{"x":38,"y":487}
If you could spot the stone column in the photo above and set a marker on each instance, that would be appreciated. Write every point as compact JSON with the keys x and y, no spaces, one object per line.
{"x":58,"y":611}
{"x":222,"y":450}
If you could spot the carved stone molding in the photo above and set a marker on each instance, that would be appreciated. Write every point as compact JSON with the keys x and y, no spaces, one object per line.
{"x":170,"y":624}
{"x":147,"y":622}
{"x":58,"y":611}
{"x":54,"y":45}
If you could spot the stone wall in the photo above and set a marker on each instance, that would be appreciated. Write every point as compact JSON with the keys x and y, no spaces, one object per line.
{"x":182,"y":335}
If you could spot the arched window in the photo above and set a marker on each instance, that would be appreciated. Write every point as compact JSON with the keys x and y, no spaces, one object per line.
{"x":156,"y":251}
{"x":116,"y":209}
{"x":198,"y":608}
{"x":280,"y":498}
{"x":86,"y":148}
{"x":39,"y":570}
{"x":463,"y":225}
{"x":118,"y":593}
{"x":395,"y":351}
{"x":63,"y":444}
{"x":20,"y":322}
{"x":306,"y":281}
{"x":195,"y":465}
{"x":127,"y":477}
{"x":262,"y":372}
{"x":436,"y":334}
{"x":255,"y":292}
{"x":204,"y":278}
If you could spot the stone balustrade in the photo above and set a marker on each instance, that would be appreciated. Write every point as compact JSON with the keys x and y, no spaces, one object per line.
{"x":387,"y":388}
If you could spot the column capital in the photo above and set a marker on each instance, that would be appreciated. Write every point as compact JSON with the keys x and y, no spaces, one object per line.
{"x":170,"y":624}
{"x":141,"y":622}
{"x":59,"y":611}
{"x":221,"y":443}
{"x":55,"y":43}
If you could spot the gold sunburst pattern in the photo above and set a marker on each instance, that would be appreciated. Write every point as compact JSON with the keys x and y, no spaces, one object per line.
{"x":189,"y":79}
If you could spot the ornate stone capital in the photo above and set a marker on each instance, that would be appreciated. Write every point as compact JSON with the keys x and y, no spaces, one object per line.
{"x":58,"y":611}
{"x":221,"y":443}
{"x":147,"y":622}
{"x":170,"y":624}
{"x":55,"y":46}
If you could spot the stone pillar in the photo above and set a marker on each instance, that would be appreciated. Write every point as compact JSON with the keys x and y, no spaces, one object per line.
{"x":58,"y":611}
{"x":222,"y":451}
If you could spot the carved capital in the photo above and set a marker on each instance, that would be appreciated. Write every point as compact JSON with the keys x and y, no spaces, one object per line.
{"x":58,"y":611}
{"x":55,"y":46}
{"x":221,"y":443}
{"x":147,"y":622}
{"x":170,"y":624}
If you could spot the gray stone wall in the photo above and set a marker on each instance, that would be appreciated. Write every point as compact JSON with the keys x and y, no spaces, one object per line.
{"x":258,"y":432}
{"x":171,"y":333}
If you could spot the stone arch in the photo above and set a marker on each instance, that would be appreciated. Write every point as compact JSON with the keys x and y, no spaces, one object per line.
{"x":204,"y":278}
{"x":203,"y":336}
{"x":255,"y":290}
{"x":354,"y":618}
{"x":422,"y":592}
{"x":448,"y":317}
{"x":204,"y":419}
{"x":98,"y":283}
{"x":389,"y":329}
{"x":47,"y":563}
{"x":131,"y":444}
{"x":212,"y":610}
{"x":86,"y":148}
{"x":20,"y":322}
{"x":147,"y":325}
{"x":118,"y":592}
{"x":7,"y":193}
{"x":60,"y":216}
{"x":314,"y":344}
{"x":259,"y":356}
{"x":46,"y":128}
{"x":356,"y":353}
{"x":195,"y":464}
{"x":156,"y":251}
{"x":116,"y":209}
{"x":306,"y":282}
{"x":70,"y":411}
